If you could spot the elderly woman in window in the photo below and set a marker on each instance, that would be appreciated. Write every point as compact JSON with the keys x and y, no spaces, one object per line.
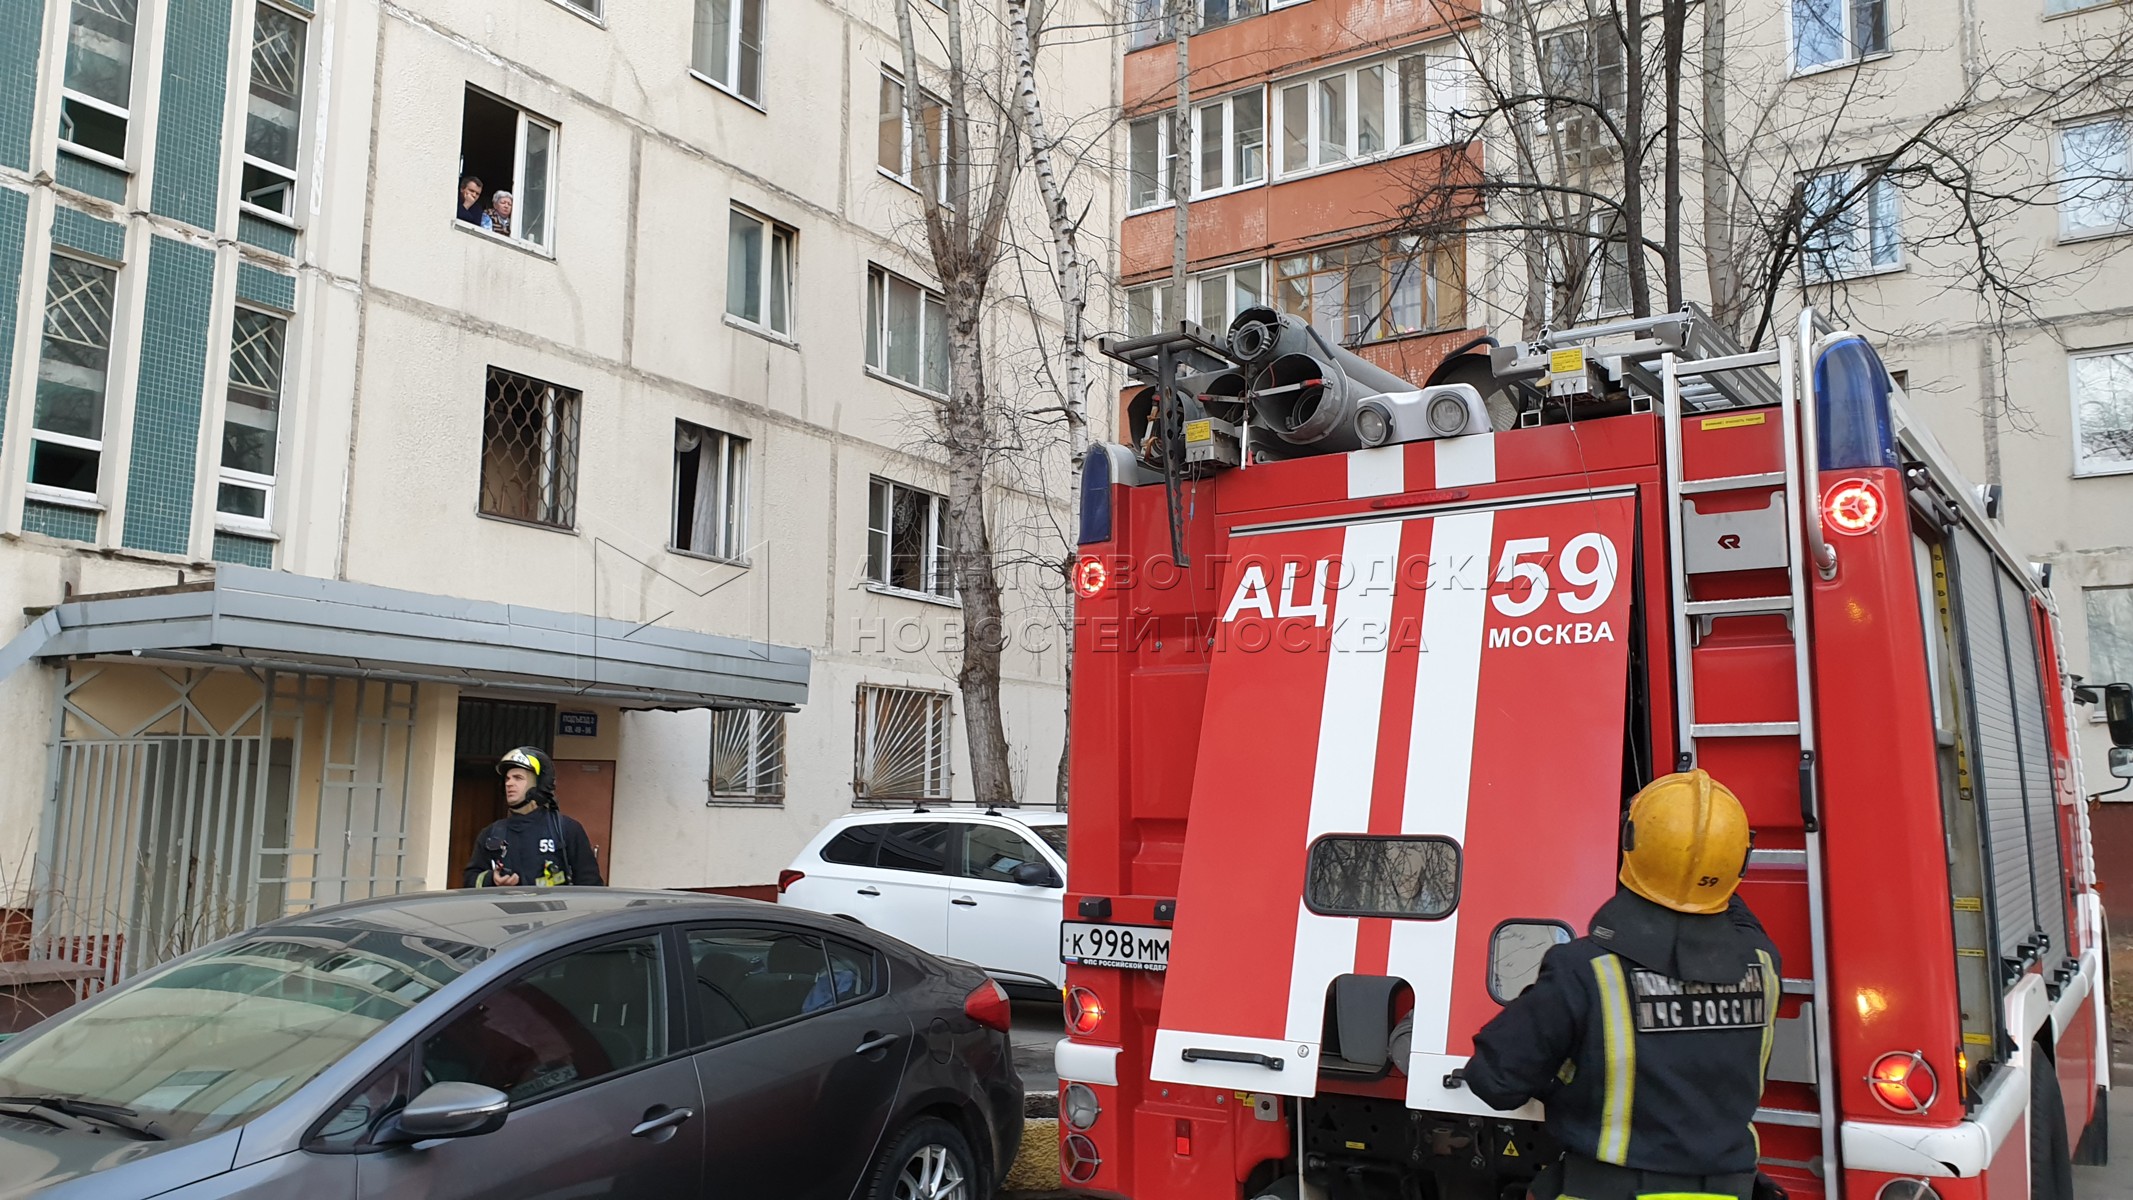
{"x":498,"y":218}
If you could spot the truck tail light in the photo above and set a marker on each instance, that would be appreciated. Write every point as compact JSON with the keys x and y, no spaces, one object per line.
{"x":1078,"y":1159}
{"x":1184,"y":1145}
{"x":987,"y":1005}
{"x":1854,"y":507}
{"x":1907,"y":1189}
{"x":1903,"y":1082}
{"x":1084,"y":1011}
{"x":789,"y":877}
{"x":1090,"y":576}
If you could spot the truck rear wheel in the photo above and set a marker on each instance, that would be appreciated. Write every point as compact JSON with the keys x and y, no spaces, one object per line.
{"x":2051,"y":1169}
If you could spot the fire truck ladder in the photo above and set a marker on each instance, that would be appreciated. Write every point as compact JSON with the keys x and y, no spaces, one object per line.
{"x":1698,"y":383}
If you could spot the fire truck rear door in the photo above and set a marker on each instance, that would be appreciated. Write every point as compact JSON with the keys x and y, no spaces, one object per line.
{"x":1411,"y":755}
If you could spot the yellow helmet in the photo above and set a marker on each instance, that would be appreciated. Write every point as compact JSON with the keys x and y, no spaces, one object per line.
{"x":1685,"y":845}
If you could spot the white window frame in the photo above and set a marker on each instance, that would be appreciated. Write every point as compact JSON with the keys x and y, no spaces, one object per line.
{"x":249,"y":480}
{"x":1583,"y":124}
{"x":2067,"y":8}
{"x":775,"y":234}
{"x":938,"y":752}
{"x":1445,"y":75}
{"x":1230,"y":173}
{"x":882,"y":329}
{"x":2082,"y":469}
{"x":592,"y":10}
{"x":735,"y":48}
{"x":1605,"y":226}
{"x":1148,"y":21}
{"x":910,"y":140}
{"x":939,"y":579}
{"x":1868,"y":206}
{"x":1165,"y":162}
{"x":303,"y":110}
{"x":68,"y":96}
{"x":1848,"y":33}
{"x":1418,"y":252}
{"x":757,"y":729}
{"x":526,"y":119}
{"x":69,"y":497}
{"x":1158,"y":292}
{"x":2123,"y":187}
{"x":729,"y":539}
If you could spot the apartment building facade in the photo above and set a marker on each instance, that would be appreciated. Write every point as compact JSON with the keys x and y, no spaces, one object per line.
{"x":389,"y":385}
{"x":1321,"y":128}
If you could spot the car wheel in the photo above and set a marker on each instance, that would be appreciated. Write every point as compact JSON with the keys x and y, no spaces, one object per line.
{"x":929,"y":1160}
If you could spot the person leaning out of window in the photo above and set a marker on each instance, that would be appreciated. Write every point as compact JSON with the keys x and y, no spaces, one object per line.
{"x":498,"y":218}
{"x":470,"y":187}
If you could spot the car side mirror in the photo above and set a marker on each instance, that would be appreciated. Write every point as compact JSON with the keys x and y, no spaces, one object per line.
{"x":448,"y":1110}
{"x":1036,"y":874}
{"x":2118,"y":712}
{"x":2121,"y":762}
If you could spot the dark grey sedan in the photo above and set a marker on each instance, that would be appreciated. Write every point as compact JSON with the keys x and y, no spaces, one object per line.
{"x":522,"y":1044}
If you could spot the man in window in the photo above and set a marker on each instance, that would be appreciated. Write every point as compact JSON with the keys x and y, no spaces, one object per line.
{"x":470,"y":199}
{"x":536,"y":845}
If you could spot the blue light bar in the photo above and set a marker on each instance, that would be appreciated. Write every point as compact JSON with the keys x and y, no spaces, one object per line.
{"x":1852,"y":407}
{"x":1096,"y":495}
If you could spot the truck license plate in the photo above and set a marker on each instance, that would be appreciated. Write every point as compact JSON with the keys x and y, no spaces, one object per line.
{"x":1134,"y":947}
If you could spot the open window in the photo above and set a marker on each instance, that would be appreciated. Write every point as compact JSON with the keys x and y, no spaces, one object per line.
{"x":274,"y":111}
{"x":506,"y":171}
{"x":96,"y":95}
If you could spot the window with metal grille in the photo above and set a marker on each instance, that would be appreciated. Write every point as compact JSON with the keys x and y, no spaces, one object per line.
{"x":506,"y":170}
{"x":907,"y":539}
{"x":747,"y":756}
{"x":275,"y":112}
{"x":73,"y":374}
{"x":488,"y":729}
{"x":728,"y":50}
{"x":529,"y":450}
{"x":251,"y":420}
{"x":96,"y":96}
{"x":902,"y":746}
{"x":907,"y":332}
{"x":710,"y":492}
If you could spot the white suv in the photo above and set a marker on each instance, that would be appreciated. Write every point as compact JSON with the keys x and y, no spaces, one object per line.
{"x":961,"y":883}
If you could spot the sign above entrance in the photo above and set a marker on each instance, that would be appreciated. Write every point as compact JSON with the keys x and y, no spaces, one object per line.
{"x":578,"y":724}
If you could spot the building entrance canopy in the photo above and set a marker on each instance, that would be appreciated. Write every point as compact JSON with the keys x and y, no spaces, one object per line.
{"x":276,"y":620}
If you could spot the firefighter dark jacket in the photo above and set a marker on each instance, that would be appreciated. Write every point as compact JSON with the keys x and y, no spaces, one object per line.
{"x":1639,"y":1067}
{"x":542,"y":847}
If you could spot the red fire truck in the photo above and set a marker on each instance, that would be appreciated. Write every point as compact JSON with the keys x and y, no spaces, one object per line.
{"x":1365,"y":673}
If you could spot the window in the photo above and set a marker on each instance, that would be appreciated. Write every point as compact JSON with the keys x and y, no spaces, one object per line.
{"x":993,"y":853}
{"x":898,"y":151}
{"x":750,"y":979}
{"x":1372,"y":110}
{"x":1229,"y":143}
{"x":2110,"y":618}
{"x":96,"y":96}
{"x":251,"y":419}
{"x":1827,"y":32}
{"x":1515,"y":953}
{"x":902,"y":754}
{"x":1382,"y":877}
{"x":582,"y":1017}
{"x":710,"y":492}
{"x":529,"y":451}
{"x":1148,"y":162}
{"x":1370,"y":291}
{"x":1216,"y":298}
{"x":915,"y":846}
{"x":2096,"y":177}
{"x":855,"y":847}
{"x":274,"y":111}
{"x":2103,"y":412}
{"x":1148,"y":21}
{"x":907,"y":539}
{"x":907,"y":332}
{"x":729,"y":46}
{"x":506,"y":170}
{"x":748,"y":755}
{"x":2054,"y":7}
{"x":73,"y":375}
{"x":759,"y":262}
{"x":1850,"y":228}
{"x":1582,"y":70}
{"x":1611,"y":290}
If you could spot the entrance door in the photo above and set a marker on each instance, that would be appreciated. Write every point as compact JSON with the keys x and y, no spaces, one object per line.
{"x":586,"y":792}
{"x":1435,"y":784}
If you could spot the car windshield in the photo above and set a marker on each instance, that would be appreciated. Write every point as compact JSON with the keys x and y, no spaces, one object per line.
{"x":216,"y":1041}
{"x":1053,"y":835}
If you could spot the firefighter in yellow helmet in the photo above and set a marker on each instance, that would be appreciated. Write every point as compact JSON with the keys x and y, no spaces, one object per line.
{"x":1648,"y":1038}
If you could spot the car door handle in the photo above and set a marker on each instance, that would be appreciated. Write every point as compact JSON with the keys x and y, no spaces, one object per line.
{"x":867,"y":891}
{"x":965,"y":901}
{"x":878,"y":1041}
{"x":666,"y":1120}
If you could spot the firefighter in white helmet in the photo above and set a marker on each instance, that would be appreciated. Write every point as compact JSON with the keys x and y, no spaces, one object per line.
{"x":1648,"y":1039}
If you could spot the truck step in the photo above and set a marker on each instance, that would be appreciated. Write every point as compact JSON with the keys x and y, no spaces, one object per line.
{"x":1732,"y":483}
{"x":1744,"y":606}
{"x":1788,"y":1116}
{"x":1748,"y":729}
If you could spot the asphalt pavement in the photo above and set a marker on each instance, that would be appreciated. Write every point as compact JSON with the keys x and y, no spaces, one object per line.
{"x":1039,"y":1024}
{"x":2114,"y":1182}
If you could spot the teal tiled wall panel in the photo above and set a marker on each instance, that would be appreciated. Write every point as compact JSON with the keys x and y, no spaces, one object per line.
{"x":243,"y":551}
{"x":95,"y":179}
{"x":265,"y":234}
{"x":196,"y":68}
{"x":166,"y":418}
{"x":261,"y":286}
{"x":53,"y":520}
{"x":21,"y":37}
{"x":80,"y":231}
{"x":14,"y":228}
